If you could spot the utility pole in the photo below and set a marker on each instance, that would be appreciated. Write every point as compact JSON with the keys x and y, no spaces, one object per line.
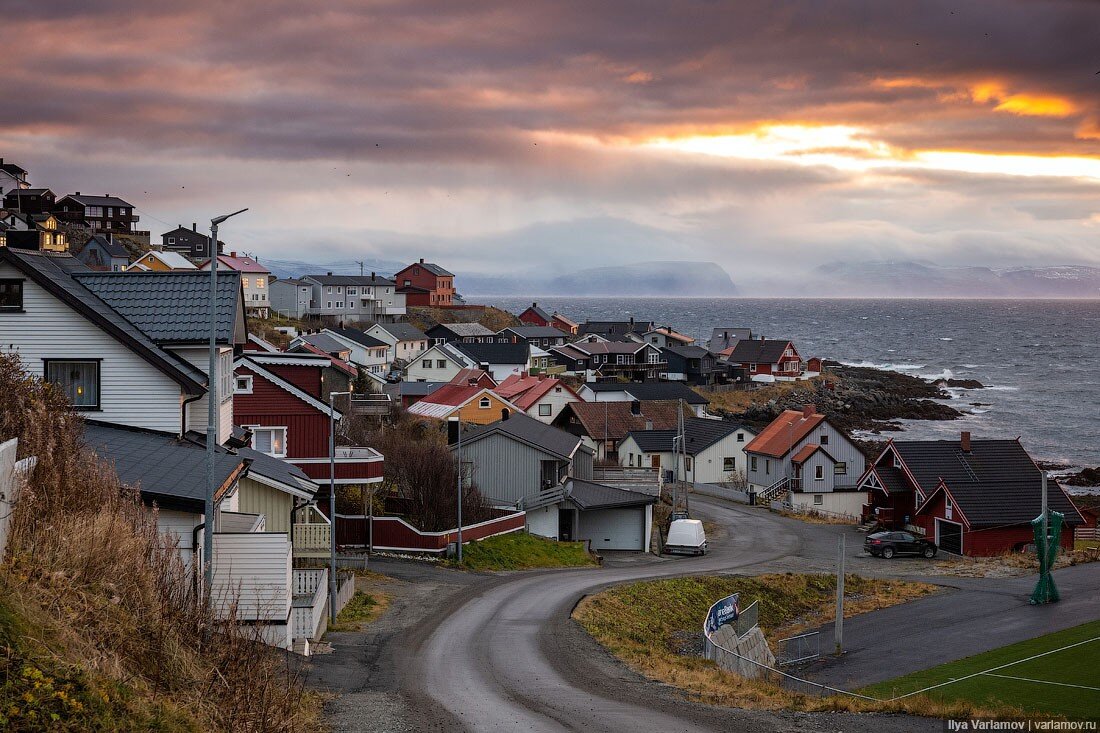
{"x":456,"y":423}
{"x":332,"y":501}
{"x":360,"y":263}
{"x":1046,"y":522}
{"x":838,"y":632}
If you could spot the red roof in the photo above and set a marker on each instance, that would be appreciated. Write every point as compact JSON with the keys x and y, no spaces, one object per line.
{"x":337,"y":363}
{"x":242,"y":263}
{"x":479,"y":376}
{"x":784,"y":431}
{"x":453,"y":394}
{"x":524,"y":390}
{"x":808,"y":450}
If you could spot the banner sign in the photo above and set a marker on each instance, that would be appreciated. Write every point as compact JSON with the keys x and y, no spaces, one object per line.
{"x":723,"y":612}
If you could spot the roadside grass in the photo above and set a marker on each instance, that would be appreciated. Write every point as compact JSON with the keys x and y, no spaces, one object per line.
{"x":360,"y":610}
{"x":653,"y":625}
{"x":523,"y":551}
{"x":816,"y":517}
{"x":1013,"y":563}
{"x":1060,"y":683}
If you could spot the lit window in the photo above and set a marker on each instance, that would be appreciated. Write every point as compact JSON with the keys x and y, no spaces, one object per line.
{"x":260,"y":282}
{"x":78,"y":380}
{"x":244,"y":281}
{"x":271,"y":441}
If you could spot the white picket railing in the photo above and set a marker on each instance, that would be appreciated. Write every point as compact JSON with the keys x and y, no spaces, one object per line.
{"x":312,"y":537}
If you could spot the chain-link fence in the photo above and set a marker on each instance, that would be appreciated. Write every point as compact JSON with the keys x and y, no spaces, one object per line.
{"x":798,"y":649}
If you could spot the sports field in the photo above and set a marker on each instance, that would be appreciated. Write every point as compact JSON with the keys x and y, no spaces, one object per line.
{"x":1057,"y":674}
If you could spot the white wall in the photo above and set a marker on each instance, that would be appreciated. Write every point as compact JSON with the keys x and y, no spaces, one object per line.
{"x":132,"y":391}
{"x":196,"y":411}
{"x":417,"y":372}
{"x":543,"y":521}
{"x":253,"y":570}
{"x":556,"y":400}
{"x":180,"y":528}
{"x":846,"y":503}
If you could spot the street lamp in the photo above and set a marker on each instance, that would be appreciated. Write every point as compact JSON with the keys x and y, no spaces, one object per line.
{"x":212,"y":412}
{"x":332,"y":502}
{"x":456,"y":422}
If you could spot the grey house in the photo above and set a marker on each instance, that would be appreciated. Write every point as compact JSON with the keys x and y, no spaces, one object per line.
{"x":101,"y":252}
{"x":523,"y":463}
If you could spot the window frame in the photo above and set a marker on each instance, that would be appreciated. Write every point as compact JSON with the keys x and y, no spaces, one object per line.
{"x":98,"y":406}
{"x":245,"y":378}
{"x":268,"y":428}
{"x":819,"y":472}
{"x":546,"y":410}
{"x":484,"y":403}
{"x":21,"y":307}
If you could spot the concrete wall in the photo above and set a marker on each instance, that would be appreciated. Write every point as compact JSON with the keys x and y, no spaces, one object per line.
{"x":543,"y":521}
{"x":738,"y":655}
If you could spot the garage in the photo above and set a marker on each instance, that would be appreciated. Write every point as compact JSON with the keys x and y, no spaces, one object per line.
{"x":611,"y":518}
{"x":949,"y":536}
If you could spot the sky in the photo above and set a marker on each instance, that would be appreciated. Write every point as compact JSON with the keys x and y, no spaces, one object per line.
{"x":769,"y":136}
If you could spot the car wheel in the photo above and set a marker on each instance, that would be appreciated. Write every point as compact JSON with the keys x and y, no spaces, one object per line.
{"x":929,"y":552}
{"x":888,"y":552}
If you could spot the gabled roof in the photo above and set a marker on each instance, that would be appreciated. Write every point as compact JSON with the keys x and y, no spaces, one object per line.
{"x":674,"y":335}
{"x":262,"y":343}
{"x":359,"y":337}
{"x":616,"y":420}
{"x":687,"y":352}
{"x":171,"y":307}
{"x":616,"y":327}
{"x":495,"y":353}
{"x":27,"y":192}
{"x":285,"y":476}
{"x":402,"y":331}
{"x":174,"y":260}
{"x":534,"y":308}
{"x":12,"y":168}
{"x":430,"y":267}
{"x":589,"y":495}
{"x":527,"y":430}
{"x":610,"y":347}
{"x":240,"y":263}
{"x":352,"y":280}
{"x":650,"y":391}
{"x":97,"y":200}
{"x":724,"y":338}
{"x":525,"y":390}
{"x":480,"y":376}
{"x":450,"y":397}
{"x":784,"y":432}
{"x":534,"y":332}
{"x":464,"y":330}
{"x":759,"y":351}
{"x":56,"y":273}
{"x":335,"y":362}
{"x":246,"y":362}
{"x":804,"y":453}
{"x":699,"y":434}
{"x":564,"y":319}
{"x":166,"y":468}
{"x":324,"y":342}
{"x":112,"y":248}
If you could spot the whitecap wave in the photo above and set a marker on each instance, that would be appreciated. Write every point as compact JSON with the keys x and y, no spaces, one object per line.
{"x":1002,"y":388}
{"x":885,"y":366}
{"x":945,"y":374}
{"x":946,"y":338}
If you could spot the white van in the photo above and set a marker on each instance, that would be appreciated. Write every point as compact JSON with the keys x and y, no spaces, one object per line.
{"x":686,"y":536}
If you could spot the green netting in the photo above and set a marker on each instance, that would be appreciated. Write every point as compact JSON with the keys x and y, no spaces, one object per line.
{"x":1045,"y":590}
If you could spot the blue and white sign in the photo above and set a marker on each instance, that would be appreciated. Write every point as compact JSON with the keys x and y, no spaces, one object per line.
{"x":723,"y":612}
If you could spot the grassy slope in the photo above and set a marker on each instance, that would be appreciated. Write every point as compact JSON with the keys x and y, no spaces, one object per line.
{"x":523,"y":551}
{"x":1077,"y":666}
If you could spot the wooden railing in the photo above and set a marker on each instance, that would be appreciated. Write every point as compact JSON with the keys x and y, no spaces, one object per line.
{"x":312,"y":538}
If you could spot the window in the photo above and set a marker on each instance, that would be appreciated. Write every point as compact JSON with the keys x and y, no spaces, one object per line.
{"x":819,"y":473}
{"x":78,"y":380}
{"x":729,"y":463}
{"x":171,"y":240}
{"x":545,"y":410}
{"x":441,"y":363}
{"x":426,"y":364}
{"x":485,"y":403}
{"x":260,"y":283}
{"x":740,"y":437}
{"x":94,"y":211}
{"x":840,"y":469}
{"x":11,"y":295}
{"x":339,"y":304}
{"x":752,"y":367}
{"x":353,"y":291}
{"x":654,"y":357}
{"x":328,"y":304}
{"x":271,"y":441}
{"x":687,"y":463}
{"x":243,"y":385}
{"x":819,"y":499}
{"x":824,"y":440}
{"x":767,"y":467}
{"x":244,"y":282}
{"x":340,"y":290}
{"x":752,"y":463}
{"x":897,"y":461}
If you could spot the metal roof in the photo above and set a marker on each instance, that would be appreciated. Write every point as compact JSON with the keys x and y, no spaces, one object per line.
{"x":759,"y":351}
{"x":278,"y":470}
{"x":650,"y":391}
{"x":324,"y":342}
{"x":699,"y":434}
{"x":530,"y":431}
{"x":359,"y":337}
{"x":97,"y":200}
{"x":464,"y":329}
{"x":114,"y":249}
{"x":495,"y":353}
{"x":589,"y":495}
{"x":170,"y":307}
{"x":403,"y":331}
{"x":352,"y":280}
{"x":529,"y":332}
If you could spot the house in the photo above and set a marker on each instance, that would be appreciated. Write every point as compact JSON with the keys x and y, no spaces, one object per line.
{"x":629,"y":360}
{"x":715,"y":450}
{"x":523,"y":463}
{"x":447,"y":333}
{"x":692,"y":364}
{"x":500,"y":360}
{"x":339,"y":375}
{"x":766,"y":359}
{"x":615,"y":330}
{"x":12,"y":176}
{"x":283,"y":400}
{"x":538,"y":396}
{"x":571,"y":361}
{"x":34,"y":231}
{"x":290,"y":297}
{"x":469,"y":402}
{"x":535,"y":316}
{"x":480,"y":377}
{"x":102,"y":253}
{"x":564,"y":323}
{"x":324,"y":343}
{"x":644,"y":392}
{"x":802,"y":457}
{"x":104,"y":213}
{"x":663,"y":337}
{"x":409,"y":393}
{"x":970,"y":496}
{"x":29,"y":200}
{"x":189,"y":242}
{"x":405,"y":341}
{"x":255,"y":279}
{"x":542,"y":336}
{"x":365,"y":351}
{"x":156,"y":261}
{"x":440,"y":363}
{"x":726,"y":338}
{"x":131,"y":348}
{"x":603,"y":426}
{"x":438,"y":283}
{"x":351,"y":298}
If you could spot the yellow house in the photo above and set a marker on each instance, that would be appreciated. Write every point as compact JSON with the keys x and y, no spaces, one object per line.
{"x":162,"y":262}
{"x":470,"y":403}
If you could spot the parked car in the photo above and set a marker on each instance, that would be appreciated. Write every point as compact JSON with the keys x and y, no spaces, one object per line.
{"x":888,"y":544}
{"x":686,"y":536}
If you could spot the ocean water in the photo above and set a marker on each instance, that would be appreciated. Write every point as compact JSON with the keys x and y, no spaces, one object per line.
{"x":1039,"y":357}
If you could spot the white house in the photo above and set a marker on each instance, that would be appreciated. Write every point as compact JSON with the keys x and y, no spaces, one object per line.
{"x":159,"y":261}
{"x":501,"y":360}
{"x":644,"y":392}
{"x":406,"y":341}
{"x":715,"y":450}
{"x":366,"y":351}
{"x":538,"y":396}
{"x":440,"y":363}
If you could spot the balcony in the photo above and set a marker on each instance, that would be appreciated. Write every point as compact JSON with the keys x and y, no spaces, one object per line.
{"x":356,"y":453}
{"x":370,"y":404}
{"x":641,"y":480}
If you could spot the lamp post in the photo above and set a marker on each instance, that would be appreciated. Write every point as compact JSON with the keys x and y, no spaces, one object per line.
{"x":212,"y":413}
{"x":457,"y":423}
{"x":332,"y":503}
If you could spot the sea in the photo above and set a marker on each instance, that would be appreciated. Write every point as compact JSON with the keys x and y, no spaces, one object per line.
{"x":1038,"y":358}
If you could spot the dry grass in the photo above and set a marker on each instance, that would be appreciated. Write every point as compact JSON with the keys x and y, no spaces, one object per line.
{"x":644,"y":624}
{"x":741,"y":400}
{"x":1011,"y":564}
{"x":814,"y":517}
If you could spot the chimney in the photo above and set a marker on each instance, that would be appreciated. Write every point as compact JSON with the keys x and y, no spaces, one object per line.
{"x":471,"y":382}
{"x":422,"y":260}
{"x":635,"y":407}
{"x":808,"y":411}
{"x":372,"y":276}
{"x":330,"y":274}
{"x":965,"y":441}
{"x":534,"y":305}
{"x":648,"y":424}
{"x":77,"y":193}
{"x":194,"y":227}
{"x":232,"y":254}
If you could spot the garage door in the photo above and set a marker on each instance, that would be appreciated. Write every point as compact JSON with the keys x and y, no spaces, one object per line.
{"x":613,"y":529}
{"x":949,"y":536}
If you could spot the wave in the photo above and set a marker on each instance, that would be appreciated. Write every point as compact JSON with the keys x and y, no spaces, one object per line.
{"x":886,"y":366}
{"x":945,"y":374}
{"x":976,"y":411}
{"x":1002,"y":388}
{"x":946,"y":338}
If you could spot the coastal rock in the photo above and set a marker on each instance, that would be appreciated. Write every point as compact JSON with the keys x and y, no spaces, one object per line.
{"x":1084,"y":477}
{"x":961,"y":383}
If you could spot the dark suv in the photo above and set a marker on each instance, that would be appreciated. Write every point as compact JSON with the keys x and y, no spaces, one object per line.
{"x":888,"y":544}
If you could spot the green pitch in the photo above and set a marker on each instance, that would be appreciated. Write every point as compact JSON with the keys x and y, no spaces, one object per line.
{"x":1057,"y":674}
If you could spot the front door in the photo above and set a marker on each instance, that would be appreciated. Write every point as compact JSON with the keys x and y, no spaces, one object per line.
{"x":655,"y":460}
{"x":565,"y":525}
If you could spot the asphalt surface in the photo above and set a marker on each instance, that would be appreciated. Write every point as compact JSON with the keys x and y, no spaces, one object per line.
{"x":467,"y":652}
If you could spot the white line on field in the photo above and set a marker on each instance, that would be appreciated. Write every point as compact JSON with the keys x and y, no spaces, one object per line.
{"x":1043,"y":682}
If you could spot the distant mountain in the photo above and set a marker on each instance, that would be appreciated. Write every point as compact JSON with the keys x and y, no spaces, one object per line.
{"x":922,"y":279}
{"x":702,"y":279}
{"x":296,"y":268}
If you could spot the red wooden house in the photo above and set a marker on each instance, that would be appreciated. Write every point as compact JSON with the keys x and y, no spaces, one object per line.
{"x":439,"y":283}
{"x":776,"y":357}
{"x":281,"y":398}
{"x":971,"y":497}
{"x":535,"y":316}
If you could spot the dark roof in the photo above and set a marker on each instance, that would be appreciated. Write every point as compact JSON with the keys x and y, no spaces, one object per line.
{"x":359,"y":337}
{"x":535,"y":332}
{"x":495,"y":353}
{"x":11,"y":168}
{"x":604,"y":328}
{"x":534,"y":307}
{"x":527,"y":430}
{"x":167,"y":469}
{"x":403,"y":331}
{"x":996,"y":483}
{"x":352,"y":280}
{"x":614,"y":420}
{"x":171,"y":307}
{"x":649,"y":391}
{"x":413,"y":389}
{"x":723,"y":338}
{"x":699,"y":434}
{"x":97,"y":200}
{"x":588,"y":495}
{"x":278,"y":470}
{"x":687,"y":352}
{"x":430,"y":267}
{"x":114,"y":249}
{"x":27,"y":192}
{"x":462,"y":329}
{"x":759,"y":351}
{"x":324,"y":342}
{"x":57,"y":273}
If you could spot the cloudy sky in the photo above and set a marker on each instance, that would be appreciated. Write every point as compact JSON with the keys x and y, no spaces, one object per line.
{"x":767,"y":136}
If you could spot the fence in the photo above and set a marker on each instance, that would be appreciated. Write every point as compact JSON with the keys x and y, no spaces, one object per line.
{"x":798,"y":649}
{"x":393,"y":534}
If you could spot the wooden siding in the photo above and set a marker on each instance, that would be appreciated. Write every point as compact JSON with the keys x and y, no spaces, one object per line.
{"x":253,"y":571}
{"x":504,"y":470}
{"x":271,"y":405}
{"x":132,"y":391}
{"x":556,"y":400}
{"x":472,"y":413}
{"x":306,"y":378}
{"x":275,"y":505}
{"x":839,"y":447}
{"x":197,"y":410}
{"x":179,"y":527}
